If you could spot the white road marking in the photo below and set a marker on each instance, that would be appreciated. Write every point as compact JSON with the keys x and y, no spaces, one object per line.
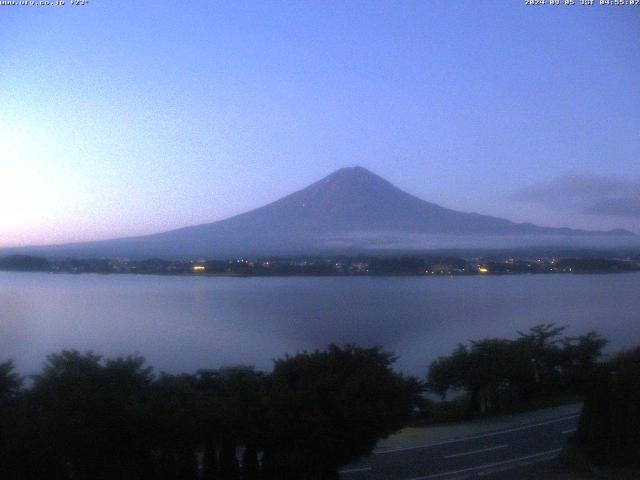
{"x":489,"y":465}
{"x":474,"y":437}
{"x":476,"y":451}
{"x":506,"y":468}
{"x":354,"y":470}
{"x":571,"y":430}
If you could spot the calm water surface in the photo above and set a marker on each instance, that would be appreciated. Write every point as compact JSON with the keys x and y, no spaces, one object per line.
{"x":186,"y":323}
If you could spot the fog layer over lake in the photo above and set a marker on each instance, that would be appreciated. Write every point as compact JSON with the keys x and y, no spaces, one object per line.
{"x":186,"y":323}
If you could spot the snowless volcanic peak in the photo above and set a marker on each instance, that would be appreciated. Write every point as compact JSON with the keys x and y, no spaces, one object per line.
{"x":357,"y":200}
{"x":348,"y":200}
{"x":353,"y":209}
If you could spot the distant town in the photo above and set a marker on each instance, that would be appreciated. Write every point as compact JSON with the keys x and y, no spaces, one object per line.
{"x":406,"y":265}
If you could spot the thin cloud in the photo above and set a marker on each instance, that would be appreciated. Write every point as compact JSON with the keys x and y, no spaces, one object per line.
{"x":585,"y":193}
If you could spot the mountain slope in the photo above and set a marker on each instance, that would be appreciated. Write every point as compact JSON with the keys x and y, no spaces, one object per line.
{"x":351,"y":208}
{"x":356,"y":200}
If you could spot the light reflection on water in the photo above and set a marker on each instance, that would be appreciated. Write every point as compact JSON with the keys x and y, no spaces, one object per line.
{"x":186,"y":323}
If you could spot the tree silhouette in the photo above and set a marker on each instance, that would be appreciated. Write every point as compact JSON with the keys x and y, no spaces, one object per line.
{"x":329,"y":408}
{"x":92,"y":415}
{"x":579,"y":359}
{"x":10,"y":385}
{"x":499,"y":374}
{"x":608,"y":432}
{"x":178,"y":427}
{"x":236,"y":395}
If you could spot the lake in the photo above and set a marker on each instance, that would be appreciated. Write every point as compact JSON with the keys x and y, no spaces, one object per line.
{"x":184,"y":323}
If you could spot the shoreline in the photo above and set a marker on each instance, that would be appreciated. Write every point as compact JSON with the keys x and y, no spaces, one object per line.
{"x":331,"y":275}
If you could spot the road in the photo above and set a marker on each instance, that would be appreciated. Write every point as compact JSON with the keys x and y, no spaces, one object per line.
{"x":480,"y":455}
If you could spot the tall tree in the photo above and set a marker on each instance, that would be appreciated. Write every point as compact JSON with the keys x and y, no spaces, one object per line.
{"x":609,"y":429}
{"x":237,"y":396}
{"x":500,"y":373}
{"x":329,"y":408}
{"x":10,"y":385}
{"x":93,"y":415}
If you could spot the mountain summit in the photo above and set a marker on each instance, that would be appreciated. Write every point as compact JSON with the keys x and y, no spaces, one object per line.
{"x":355,"y":200}
{"x":351,"y":209}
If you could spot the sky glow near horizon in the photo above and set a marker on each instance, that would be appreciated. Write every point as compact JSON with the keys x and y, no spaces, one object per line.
{"x":123,"y":118}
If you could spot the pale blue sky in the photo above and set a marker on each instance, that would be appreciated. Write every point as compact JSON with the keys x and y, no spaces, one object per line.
{"x":130,"y":117}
